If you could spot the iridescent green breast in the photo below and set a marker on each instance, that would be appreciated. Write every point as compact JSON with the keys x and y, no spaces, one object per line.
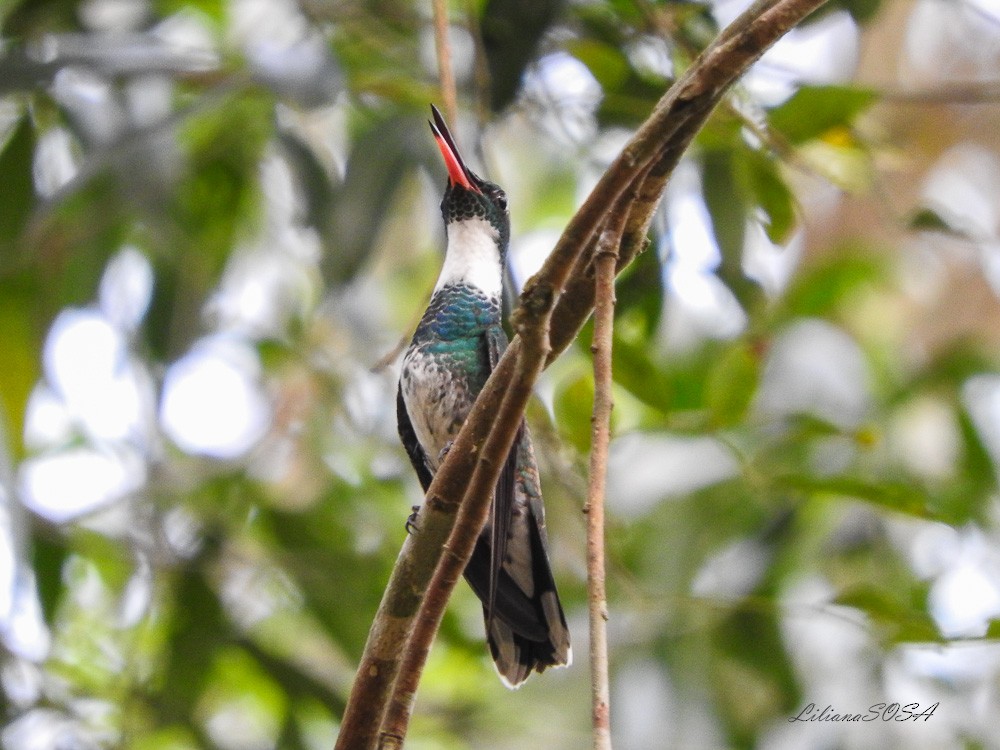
{"x":457,"y":313}
{"x":447,"y":363}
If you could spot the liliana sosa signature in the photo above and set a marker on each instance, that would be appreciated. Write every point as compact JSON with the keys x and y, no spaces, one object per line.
{"x":876,"y":712}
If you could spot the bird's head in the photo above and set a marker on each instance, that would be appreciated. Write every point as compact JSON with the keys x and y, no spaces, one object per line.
{"x":468,"y":196}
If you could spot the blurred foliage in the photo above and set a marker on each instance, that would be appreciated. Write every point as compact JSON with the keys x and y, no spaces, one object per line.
{"x":806,"y":445}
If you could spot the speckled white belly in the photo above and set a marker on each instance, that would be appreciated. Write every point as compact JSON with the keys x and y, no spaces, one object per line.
{"x":436,"y":400}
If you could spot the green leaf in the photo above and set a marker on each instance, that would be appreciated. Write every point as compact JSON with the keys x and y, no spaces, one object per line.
{"x":166,"y":738}
{"x":321,"y":557}
{"x":861,"y":11}
{"x":928,"y":220}
{"x":993,"y":630}
{"x":6,"y":6}
{"x":574,"y":405}
{"x":312,"y":177}
{"x":753,"y":675}
{"x":17,"y":191}
{"x":237,"y":683}
{"x":815,"y":110}
{"x":71,"y":242}
{"x":20,"y":344}
{"x":635,"y":370}
{"x":221,"y":195}
{"x":511,"y":31}
{"x":212,"y":9}
{"x":639,"y":294}
{"x":108,"y":558}
{"x":628,"y":95}
{"x":197,"y":628}
{"x":732,"y":383}
{"x":871,"y":600}
{"x":969,"y":496}
{"x":902,"y":618}
{"x":47,"y":558}
{"x":378,"y":160}
{"x":894,"y":495}
{"x":726,"y":203}
{"x":763,"y":183}
{"x":721,"y":132}
{"x":160,"y":337}
{"x":819,"y":290}
{"x":28,"y":19}
{"x":606,"y":63}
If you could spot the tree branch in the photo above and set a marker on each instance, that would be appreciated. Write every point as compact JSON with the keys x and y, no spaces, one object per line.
{"x":605,"y":261}
{"x":554,"y":305}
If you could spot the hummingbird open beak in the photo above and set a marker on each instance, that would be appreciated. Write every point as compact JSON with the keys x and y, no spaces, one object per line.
{"x":458,"y":173}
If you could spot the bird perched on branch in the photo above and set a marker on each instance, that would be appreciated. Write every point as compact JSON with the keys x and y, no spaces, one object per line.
{"x":457,"y":344}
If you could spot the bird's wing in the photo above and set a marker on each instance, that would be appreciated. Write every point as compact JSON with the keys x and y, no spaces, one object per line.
{"x":417,"y":456}
{"x":503,"y":497}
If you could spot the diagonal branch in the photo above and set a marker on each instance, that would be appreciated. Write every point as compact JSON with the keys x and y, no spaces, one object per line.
{"x":555,"y":304}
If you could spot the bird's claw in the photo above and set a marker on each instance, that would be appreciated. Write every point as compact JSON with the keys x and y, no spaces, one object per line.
{"x":411,"y":521}
{"x":444,"y":451}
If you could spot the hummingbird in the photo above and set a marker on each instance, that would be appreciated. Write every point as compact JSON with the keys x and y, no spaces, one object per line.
{"x":456,"y":345}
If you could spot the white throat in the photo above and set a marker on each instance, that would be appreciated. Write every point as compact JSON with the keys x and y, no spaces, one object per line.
{"x":472,"y":257}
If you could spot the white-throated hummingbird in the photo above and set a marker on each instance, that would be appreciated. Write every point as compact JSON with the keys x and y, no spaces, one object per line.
{"x":457,"y":344}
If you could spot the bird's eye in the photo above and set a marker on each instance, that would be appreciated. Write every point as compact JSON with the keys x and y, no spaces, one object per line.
{"x":501,"y":201}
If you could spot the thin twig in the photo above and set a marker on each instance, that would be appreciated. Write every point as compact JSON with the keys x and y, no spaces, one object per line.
{"x":605,"y":262}
{"x":445,"y":72}
{"x":390,"y":356}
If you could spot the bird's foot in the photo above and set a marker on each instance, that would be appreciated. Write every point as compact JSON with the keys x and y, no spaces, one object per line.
{"x":411,"y":521}
{"x":444,"y":451}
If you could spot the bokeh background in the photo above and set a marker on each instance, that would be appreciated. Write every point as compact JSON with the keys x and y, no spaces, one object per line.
{"x":219,"y":221}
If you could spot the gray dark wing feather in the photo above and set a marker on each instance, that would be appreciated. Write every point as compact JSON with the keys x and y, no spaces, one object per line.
{"x":528,"y":631}
{"x":503,"y":497}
